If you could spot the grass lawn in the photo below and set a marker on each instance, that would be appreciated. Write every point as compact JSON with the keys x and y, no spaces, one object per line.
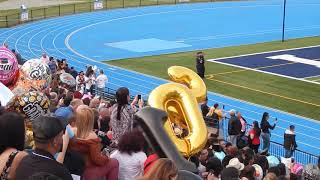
{"x":297,"y":97}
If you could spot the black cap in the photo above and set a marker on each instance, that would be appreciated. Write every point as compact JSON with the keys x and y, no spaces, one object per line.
{"x":47,"y":127}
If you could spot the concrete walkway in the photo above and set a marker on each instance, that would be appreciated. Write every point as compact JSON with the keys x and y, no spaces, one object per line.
{"x":15,"y":4}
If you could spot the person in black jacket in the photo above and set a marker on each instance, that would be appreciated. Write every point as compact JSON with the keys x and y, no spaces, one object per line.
{"x":234,"y":127}
{"x":205,"y":108}
{"x":265,"y":126}
{"x":200,"y":64}
{"x":289,"y":141}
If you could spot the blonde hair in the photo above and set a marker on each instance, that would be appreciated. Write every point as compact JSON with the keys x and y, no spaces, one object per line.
{"x":94,"y":103}
{"x":84,"y":121}
{"x":162,"y":169}
{"x":211,"y":111}
{"x":271,"y":176}
{"x":76,"y":102}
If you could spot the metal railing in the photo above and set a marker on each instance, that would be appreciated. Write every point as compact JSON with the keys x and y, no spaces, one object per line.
{"x":14,"y":18}
{"x":276,"y":149}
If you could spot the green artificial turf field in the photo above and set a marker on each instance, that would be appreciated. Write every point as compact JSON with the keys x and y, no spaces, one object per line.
{"x":294,"y":96}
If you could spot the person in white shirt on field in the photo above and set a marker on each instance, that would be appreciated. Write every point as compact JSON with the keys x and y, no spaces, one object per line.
{"x":101,"y":82}
{"x":130,"y":155}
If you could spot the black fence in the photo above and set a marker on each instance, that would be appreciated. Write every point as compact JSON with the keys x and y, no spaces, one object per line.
{"x":13,"y":17}
{"x":276,"y":149}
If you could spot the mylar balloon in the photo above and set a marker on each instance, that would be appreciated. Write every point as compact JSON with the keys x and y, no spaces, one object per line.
{"x":31,"y":104}
{"x":180,"y":100}
{"x":35,"y":69}
{"x":25,"y":85}
{"x":5,"y":94}
{"x":8,"y":66}
{"x":68,"y":79}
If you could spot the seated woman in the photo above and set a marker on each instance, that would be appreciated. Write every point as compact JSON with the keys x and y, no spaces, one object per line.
{"x":86,"y":142}
{"x":12,"y":136}
{"x":130,"y":155}
{"x":163,"y":169}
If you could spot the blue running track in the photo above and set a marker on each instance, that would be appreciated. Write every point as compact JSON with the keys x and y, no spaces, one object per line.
{"x":89,"y":38}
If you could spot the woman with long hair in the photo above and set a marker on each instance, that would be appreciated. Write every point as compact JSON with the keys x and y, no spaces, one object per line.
{"x":254,"y":137}
{"x":163,"y":169}
{"x":80,"y":82}
{"x":88,"y":144}
{"x":89,"y":80}
{"x":122,"y":114}
{"x":12,"y":137}
{"x":265,"y":132}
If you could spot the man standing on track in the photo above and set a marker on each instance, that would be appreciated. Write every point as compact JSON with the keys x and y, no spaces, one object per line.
{"x":200,"y":64}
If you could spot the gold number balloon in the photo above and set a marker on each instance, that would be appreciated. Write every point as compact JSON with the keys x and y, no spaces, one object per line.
{"x":180,"y":100}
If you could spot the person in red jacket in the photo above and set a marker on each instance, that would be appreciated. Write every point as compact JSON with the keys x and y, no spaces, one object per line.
{"x":254,"y":135}
{"x":97,"y":164}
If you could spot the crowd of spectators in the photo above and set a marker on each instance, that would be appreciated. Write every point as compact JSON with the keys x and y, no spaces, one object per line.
{"x":85,"y":136}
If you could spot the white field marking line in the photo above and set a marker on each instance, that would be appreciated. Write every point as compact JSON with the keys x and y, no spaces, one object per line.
{"x":68,"y":37}
{"x":86,"y":63}
{"x":241,"y":34}
{"x":25,"y":42}
{"x":33,"y":30}
{"x":58,"y":23}
{"x":63,"y":27}
{"x":148,"y":14}
{"x":265,"y":52}
{"x":201,"y":9}
{"x":226,"y":36}
{"x":165,"y":80}
{"x":23,"y":45}
{"x":140,"y":15}
{"x":111,"y":72}
{"x":262,"y":71}
{"x":49,"y":20}
{"x":297,"y":132}
{"x":164,"y":12}
{"x":17,"y":30}
{"x":312,"y":76}
{"x":43,"y":23}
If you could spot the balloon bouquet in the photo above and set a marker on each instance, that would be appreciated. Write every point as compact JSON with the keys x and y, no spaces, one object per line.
{"x":26,"y":85}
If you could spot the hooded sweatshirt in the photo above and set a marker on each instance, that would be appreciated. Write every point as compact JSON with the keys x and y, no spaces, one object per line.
{"x":289,"y":140}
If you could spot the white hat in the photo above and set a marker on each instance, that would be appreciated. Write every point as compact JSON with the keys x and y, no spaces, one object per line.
{"x":232,"y":111}
{"x":259,"y":172}
{"x":234,"y":162}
